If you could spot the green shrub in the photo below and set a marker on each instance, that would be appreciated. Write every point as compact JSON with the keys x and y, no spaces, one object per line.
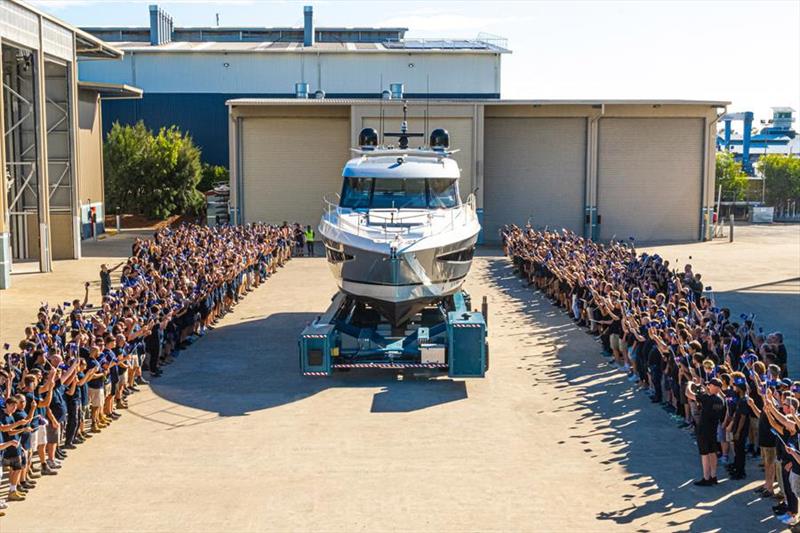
{"x":782,"y":176}
{"x":730,"y":175}
{"x":155,"y":175}
{"x":212,"y":175}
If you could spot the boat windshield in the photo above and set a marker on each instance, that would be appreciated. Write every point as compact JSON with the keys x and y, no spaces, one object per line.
{"x":399,"y":193}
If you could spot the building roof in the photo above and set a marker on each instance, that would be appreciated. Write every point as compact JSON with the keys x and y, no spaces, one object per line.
{"x":112,"y":91}
{"x":86,"y":44}
{"x":362,"y":101}
{"x":404,"y":46}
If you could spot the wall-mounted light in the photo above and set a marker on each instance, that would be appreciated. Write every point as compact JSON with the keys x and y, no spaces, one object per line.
{"x":226,"y":65}
{"x":411,"y":65}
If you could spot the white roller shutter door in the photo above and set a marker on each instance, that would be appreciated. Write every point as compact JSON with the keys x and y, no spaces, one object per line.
{"x":650,"y":172}
{"x":535,"y":168}
{"x":289,"y":164}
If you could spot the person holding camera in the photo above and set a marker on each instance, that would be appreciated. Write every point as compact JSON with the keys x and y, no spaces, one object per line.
{"x":712,"y":411}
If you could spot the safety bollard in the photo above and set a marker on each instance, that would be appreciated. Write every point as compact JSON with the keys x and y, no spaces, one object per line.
{"x":730,"y":222}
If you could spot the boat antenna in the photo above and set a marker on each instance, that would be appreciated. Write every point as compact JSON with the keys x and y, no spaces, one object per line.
{"x":427,"y":102}
{"x":380,"y":123}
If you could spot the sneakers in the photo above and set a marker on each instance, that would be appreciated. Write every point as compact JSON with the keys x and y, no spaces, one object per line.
{"x":789,"y":520}
{"x":703,"y":483}
{"x":15,"y":496}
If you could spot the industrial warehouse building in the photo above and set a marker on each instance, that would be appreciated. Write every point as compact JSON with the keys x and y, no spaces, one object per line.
{"x":188,"y":74}
{"x":51,"y":147}
{"x":595,"y":167}
{"x":604,"y":169}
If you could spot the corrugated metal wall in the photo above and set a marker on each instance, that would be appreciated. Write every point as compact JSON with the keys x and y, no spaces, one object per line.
{"x":190,"y":89}
{"x":649,"y":178}
{"x":204,"y":116}
{"x":535,"y":168}
{"x":277,"y":72}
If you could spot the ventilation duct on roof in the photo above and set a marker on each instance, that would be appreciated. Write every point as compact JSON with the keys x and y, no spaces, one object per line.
{"x":301,"y":90}
{"x":397,"y":91}
{"x":308,"y":26}
{"x":161,"y":26}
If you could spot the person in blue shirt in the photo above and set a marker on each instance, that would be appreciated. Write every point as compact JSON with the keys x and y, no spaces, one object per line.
{"x":10,"y":429}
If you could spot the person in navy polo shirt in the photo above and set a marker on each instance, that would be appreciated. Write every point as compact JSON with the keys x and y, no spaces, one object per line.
{"x":10,"y":428}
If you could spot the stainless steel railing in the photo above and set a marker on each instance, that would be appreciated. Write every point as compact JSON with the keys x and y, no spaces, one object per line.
{"x":394,"y":222}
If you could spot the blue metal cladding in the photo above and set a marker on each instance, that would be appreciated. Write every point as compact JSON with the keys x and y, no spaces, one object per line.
{"x":205,"y":116}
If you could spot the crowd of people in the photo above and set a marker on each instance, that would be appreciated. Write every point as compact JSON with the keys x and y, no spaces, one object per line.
{"x":70,"y":375}
{"x":724,"y":379}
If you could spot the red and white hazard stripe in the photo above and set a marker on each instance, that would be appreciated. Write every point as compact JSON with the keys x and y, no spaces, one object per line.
{"x":390,"y":365}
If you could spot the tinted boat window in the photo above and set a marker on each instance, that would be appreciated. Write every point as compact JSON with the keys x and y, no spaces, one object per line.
{"x":443,"y":192}
{"x":355,"y":192}
{"x":399,"y":193}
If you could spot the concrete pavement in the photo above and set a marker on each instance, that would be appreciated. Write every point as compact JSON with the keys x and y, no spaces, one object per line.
{"x":232,"y":438}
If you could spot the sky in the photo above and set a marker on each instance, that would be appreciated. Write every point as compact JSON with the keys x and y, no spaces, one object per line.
{"x":745,"y":52}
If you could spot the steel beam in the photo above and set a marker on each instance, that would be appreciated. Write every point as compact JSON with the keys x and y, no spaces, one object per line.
{"x":45,"y":260}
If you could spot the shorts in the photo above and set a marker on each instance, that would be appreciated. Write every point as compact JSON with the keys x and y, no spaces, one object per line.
{"x":53,"y":433}
{"x":14,"y":463}
{"x":707,"y":442}
{"x":39,"y":437}
{"x":768,"y":454}
{"x":106,"y":390}
{"x":96,"y":397}
{"x":123,"y":377}
{"x":616,"y":345}
{"x":794,"y":482}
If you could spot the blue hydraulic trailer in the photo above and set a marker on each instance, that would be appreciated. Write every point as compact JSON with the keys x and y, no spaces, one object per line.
{"x":445,"y":337}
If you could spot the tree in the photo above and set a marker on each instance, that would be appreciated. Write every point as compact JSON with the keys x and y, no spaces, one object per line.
{"x":782,"y":175}
{"x":731,"y":176}
{"x":152,"y":174}
{"x":212,"y":175}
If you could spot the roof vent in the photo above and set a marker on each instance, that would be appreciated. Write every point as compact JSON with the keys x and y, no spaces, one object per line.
{"x":308,"y":26}
{"x":386,"y":95}
{"x":319,"y":94}
{"x":301,"y":90}
{"x":160,"y":26}
{"x":396,"y":90}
